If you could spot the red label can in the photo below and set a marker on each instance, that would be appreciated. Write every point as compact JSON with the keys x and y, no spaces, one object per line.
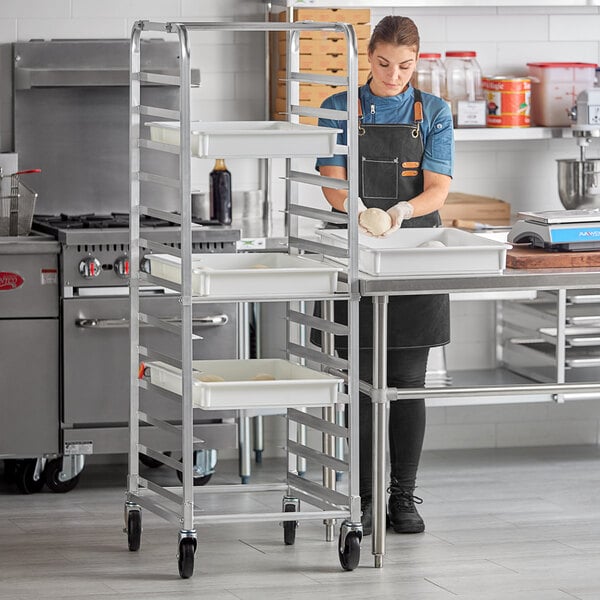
{"x":508,"y":101}
{"x":10,"y":281}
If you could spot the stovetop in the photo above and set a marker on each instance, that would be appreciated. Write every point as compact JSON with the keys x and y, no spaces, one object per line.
{"x":52,"y":223}
{"x":113,"y":228}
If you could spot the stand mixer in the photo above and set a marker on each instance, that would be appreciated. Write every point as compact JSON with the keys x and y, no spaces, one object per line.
{"x":578,"y":227}
{"x":579,"y":180}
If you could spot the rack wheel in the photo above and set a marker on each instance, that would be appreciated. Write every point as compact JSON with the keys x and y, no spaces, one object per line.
{"x":51,"y":476}
{"x":10,"y":469}
{"x":289,"y":527}
{"x":197,"y":480}
{"x":185,"y":558}
{"x":134,"y":530}
{"x":350,"y":556}
{"x":258,"y":454}
{"x":150,"y":462}
{"x":24,"y":477}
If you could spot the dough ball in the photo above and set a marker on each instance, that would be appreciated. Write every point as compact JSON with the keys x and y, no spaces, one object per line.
{"x":259,"y":266}
{"x":432,"y":244}
{"x":263,"y":377}
{"x":208,"y":377}
{"x":375,"y":221}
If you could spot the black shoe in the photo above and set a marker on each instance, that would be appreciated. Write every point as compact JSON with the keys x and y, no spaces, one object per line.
{"x":404,"y":517}
{"x":366,"y":506}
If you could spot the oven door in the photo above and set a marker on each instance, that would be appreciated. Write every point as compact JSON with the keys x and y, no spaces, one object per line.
{"x":96,"y":355}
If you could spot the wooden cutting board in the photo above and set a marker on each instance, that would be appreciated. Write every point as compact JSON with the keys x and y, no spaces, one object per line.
{"x":537,"y":258}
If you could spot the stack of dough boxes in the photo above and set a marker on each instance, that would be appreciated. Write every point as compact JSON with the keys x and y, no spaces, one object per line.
{"x":321,"y":52}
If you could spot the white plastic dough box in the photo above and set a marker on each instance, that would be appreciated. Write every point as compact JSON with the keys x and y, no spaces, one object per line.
{"x":241,"y":139}
{"x":292,"y":385}
{"x":250,"y":275}
{"x":424,"y":252}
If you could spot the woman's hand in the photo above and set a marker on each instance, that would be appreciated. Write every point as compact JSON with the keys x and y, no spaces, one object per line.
{"x":399,"y":212}
{"x":361,"y":209}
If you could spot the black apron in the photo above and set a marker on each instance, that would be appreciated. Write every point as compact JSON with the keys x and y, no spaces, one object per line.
{"x":390,"y":172}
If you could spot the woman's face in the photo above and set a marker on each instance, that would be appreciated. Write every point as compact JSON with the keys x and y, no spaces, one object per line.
{"x":391,"y":67}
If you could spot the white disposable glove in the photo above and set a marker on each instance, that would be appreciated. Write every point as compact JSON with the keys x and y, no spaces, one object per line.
{"x":361,"y":208}
{"x":399,"y":212}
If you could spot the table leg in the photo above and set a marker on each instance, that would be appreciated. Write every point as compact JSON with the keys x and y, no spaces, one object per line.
{"x":380,"y":408}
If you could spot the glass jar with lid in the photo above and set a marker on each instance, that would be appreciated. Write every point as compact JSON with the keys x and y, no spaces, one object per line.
{"x":464,"y":88}
{"x":430,"y":74}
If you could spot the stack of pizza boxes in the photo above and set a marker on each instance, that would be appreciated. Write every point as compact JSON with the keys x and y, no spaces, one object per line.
{"x":322,"y":52}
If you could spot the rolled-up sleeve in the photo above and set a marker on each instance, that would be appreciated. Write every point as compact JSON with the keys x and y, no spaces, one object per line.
{"x":439,"y":148}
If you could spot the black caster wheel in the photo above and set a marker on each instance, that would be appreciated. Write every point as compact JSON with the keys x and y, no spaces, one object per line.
{"x":289,"y":527}
{"x":51,"y":476}
{"x":258,"y":456}
{"x":185,"y":558}
{"x":25,"y":477}
{"x":152,"y":463}
{"x":245,"y":479}
{"x":350,"y":555}
{"x":134,"y":530}
{"x":10,"y":470}
{"x":197,"y":480}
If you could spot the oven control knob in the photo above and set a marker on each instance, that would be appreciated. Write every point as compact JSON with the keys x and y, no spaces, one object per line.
{"x":90,"y":267}
{"x":122,"y":266}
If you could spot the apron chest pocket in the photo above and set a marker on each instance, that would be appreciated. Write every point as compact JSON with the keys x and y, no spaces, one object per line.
{"x":379,"y":178}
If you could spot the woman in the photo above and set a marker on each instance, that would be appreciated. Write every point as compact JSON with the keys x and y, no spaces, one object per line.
{"x":406,"y":154}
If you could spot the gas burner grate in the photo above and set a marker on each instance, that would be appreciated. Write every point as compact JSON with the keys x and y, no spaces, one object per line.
{"x":94,"y":221}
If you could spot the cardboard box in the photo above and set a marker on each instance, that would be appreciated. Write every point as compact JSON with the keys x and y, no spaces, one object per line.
{"x":325,"y":46}
{"x":363,"y":74}
{"x":326,"y":62}
{"x":470,"y":207}
{"x":362,"y":31}
{"x":330,"y":15}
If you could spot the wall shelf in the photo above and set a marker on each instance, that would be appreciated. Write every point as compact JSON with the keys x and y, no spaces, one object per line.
{"x":486,"y":134}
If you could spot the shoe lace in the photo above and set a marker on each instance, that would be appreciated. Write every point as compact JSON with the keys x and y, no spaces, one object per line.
{"x":402,"y":499}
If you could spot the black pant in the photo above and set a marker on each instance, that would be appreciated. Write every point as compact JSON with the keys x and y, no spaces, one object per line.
{"x":406,"y":368}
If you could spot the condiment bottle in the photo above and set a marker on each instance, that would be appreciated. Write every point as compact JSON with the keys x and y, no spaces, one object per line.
{"x":220,"y":193}
{"x":464,"y":89}
{"x":430,"y":74}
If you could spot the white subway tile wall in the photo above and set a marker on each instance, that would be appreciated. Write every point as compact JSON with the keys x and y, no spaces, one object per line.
{"x":233,"y":73}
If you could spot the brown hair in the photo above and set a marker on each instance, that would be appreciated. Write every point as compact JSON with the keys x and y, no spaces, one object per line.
{"x":399,"y":31}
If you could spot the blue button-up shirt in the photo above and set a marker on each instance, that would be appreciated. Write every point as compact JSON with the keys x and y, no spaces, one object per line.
{"x":436,"y":128}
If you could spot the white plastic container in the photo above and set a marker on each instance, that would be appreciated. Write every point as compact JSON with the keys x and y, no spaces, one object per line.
{"x":425,"y":252}
{"x":464,"y":88}
{"x":430,"y":74}
{"x":250,"y":275}
{"x":554,"y":90}
{"x":293,"y":385}
{"x":243,"y":139}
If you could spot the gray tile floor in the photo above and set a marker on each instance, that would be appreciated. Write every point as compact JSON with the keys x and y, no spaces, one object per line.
{"x":510,"y":524}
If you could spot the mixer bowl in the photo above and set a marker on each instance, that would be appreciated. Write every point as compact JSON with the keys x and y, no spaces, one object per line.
{"x":579,"y":182}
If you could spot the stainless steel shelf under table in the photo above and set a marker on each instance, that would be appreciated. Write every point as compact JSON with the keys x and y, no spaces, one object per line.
{"x":380,"y":288}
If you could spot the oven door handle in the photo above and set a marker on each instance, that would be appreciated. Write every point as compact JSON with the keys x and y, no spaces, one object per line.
{"x":205,"y":321}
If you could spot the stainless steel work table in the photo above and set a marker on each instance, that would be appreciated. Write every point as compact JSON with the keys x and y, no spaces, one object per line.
{"x":379,"y":288}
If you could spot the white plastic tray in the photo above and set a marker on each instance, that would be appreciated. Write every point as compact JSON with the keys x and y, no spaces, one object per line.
{"x":293,"y":386}
{"x":403,"y":253}
{"x":250,"y":275}
{"x":243,"y":139}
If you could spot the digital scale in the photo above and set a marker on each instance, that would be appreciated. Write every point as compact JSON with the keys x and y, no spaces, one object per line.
{"x":555,"y":230}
